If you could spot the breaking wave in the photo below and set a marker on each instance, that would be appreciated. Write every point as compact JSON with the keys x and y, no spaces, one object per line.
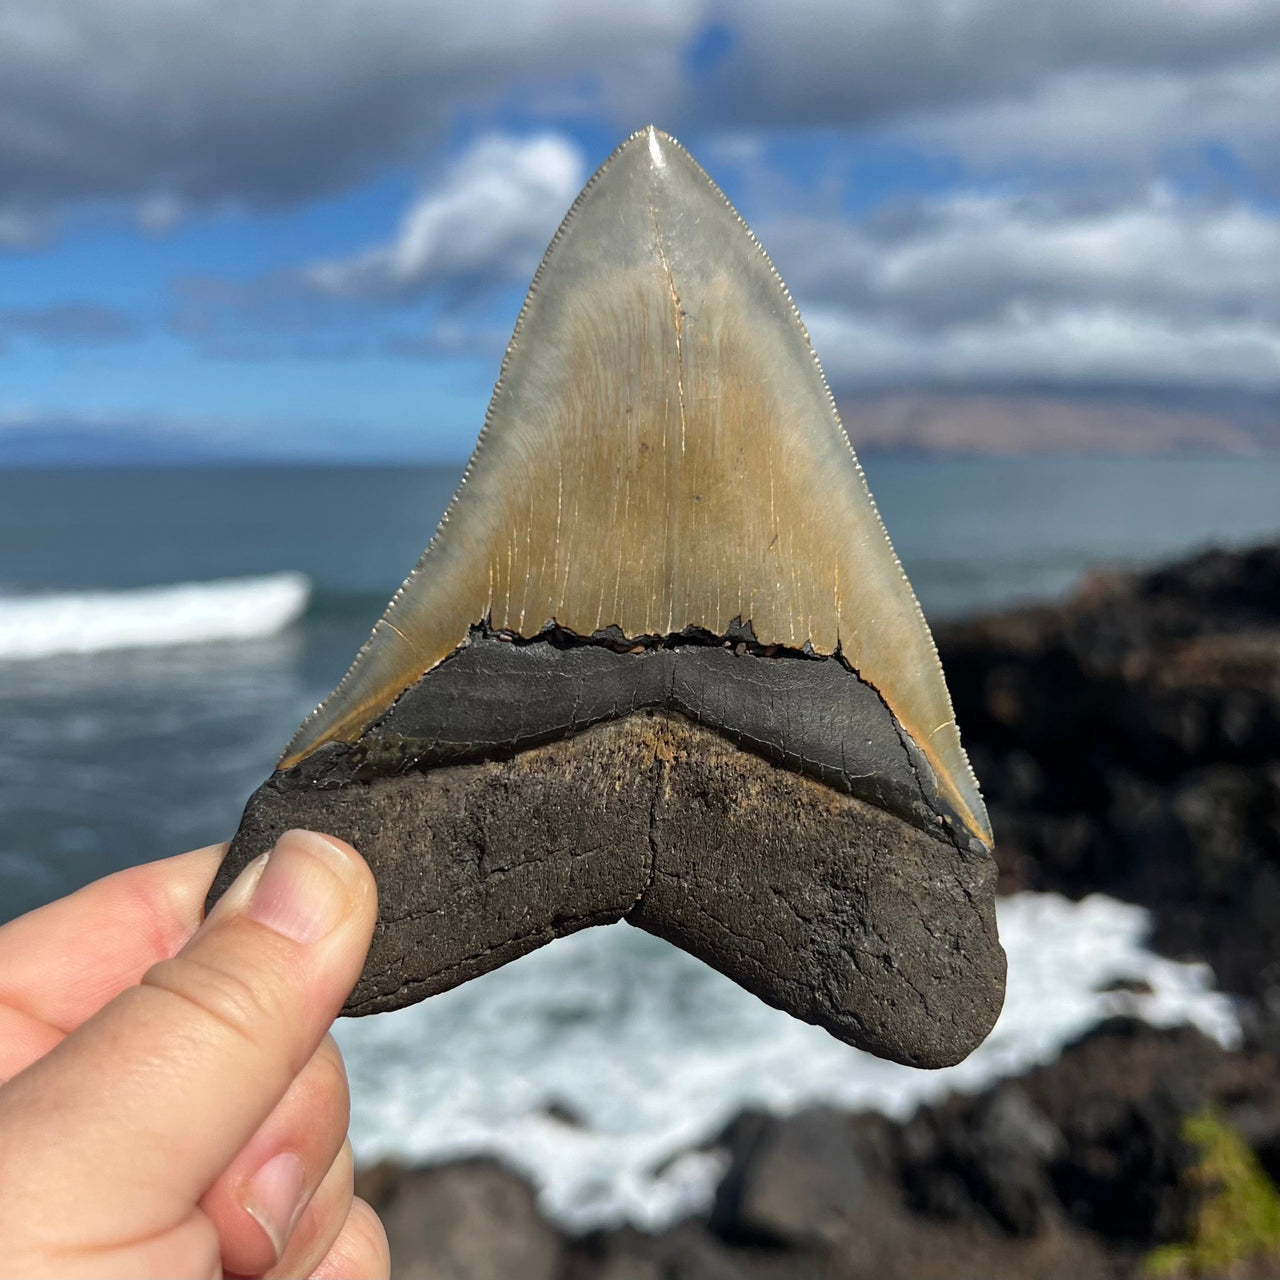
{"x":604,"y":1065}
{"x":47,"y":624}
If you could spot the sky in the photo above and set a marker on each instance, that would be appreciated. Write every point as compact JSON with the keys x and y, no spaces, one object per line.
{"x":304,"y":228}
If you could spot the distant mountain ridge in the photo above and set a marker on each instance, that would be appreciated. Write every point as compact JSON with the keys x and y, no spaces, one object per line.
{"x":1012,"y":424}
{"x":935,"y":422}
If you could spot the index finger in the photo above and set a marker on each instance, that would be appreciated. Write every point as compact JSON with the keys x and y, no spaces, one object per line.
{"x":61,"y":963}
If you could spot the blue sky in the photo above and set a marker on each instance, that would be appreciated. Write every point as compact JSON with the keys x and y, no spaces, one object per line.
{"x":305,"y":230}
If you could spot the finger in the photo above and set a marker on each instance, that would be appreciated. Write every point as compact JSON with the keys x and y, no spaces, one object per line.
{"x":23,"y":1039}
{"x":360,"y":1252}
{"x":322,"y":1220}
{"x":194,"y":1058}
{"x":61,"y":963}
{"x":188,"y":1249}
{"x":258,"y":1196}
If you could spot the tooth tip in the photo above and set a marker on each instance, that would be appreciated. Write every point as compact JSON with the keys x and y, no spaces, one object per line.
{"x":659,"y":160}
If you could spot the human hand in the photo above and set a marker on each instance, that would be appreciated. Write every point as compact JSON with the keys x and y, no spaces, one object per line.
{"x":170,"y":1102}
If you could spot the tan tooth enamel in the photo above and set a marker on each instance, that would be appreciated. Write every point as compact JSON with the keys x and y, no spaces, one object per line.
{"x":662,"y":451}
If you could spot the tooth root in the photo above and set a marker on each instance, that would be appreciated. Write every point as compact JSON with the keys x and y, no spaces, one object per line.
{"x":662,"y":452}
{"x":823,"y":905}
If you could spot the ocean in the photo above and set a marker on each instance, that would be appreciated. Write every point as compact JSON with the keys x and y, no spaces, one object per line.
{"x":163,"y":631}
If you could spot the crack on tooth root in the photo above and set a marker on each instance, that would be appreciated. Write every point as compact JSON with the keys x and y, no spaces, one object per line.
{"x":660,"y":768}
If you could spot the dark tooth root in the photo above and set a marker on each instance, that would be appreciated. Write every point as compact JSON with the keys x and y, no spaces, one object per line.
{"x":820,"y":904}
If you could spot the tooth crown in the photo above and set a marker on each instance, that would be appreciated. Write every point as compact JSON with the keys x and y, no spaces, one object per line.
{"x":662,"y":453}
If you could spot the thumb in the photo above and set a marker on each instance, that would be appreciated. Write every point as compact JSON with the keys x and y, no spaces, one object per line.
{"x":119,"y":1130}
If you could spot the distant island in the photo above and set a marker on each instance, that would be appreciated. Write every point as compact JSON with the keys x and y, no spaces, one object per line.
{"x":1001,"y":423}
{"x":966,"y":422}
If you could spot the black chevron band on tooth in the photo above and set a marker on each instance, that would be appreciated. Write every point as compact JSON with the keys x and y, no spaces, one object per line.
{"x":496,"y":696}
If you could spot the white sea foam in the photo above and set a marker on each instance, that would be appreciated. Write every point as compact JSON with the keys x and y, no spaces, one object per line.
{"x":40,"y":626}
{"x":654,"y":1052}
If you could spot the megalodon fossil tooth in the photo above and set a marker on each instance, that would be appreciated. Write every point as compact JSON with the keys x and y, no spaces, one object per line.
{"x":660,"y":663}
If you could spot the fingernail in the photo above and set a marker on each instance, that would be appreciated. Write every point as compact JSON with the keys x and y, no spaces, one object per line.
{"x":305,"y":890}
{"x":273,"y":1197}
{"x":238,"y":895}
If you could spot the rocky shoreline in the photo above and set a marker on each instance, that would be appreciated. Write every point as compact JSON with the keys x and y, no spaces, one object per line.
{"x":1128,"y":740}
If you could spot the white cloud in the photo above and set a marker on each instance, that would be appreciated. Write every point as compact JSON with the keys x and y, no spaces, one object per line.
{"x":1064,"y":345}
{"x":973,"y":287}
{"x":979,"y":252}
{"x":264,"y":101}
{"x":1117,"y":119}
{"x":173,"y":108}
{"x":490,"y":218}
{"x":826,"y":60}
{"x":179,"y":106}
{"x":1003,"y":288}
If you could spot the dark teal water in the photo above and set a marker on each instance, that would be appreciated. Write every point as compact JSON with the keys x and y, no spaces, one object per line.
{"x":114,"y":758}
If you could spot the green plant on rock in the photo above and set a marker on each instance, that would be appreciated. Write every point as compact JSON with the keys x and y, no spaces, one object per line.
{"x":1236,"y":1220}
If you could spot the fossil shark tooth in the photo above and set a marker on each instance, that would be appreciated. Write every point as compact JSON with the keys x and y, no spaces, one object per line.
{"x":662,"y":545}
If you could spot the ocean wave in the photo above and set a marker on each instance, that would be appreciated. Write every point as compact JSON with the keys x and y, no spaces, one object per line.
{"x":653,"y":1052}
{"x":44,"y":625}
